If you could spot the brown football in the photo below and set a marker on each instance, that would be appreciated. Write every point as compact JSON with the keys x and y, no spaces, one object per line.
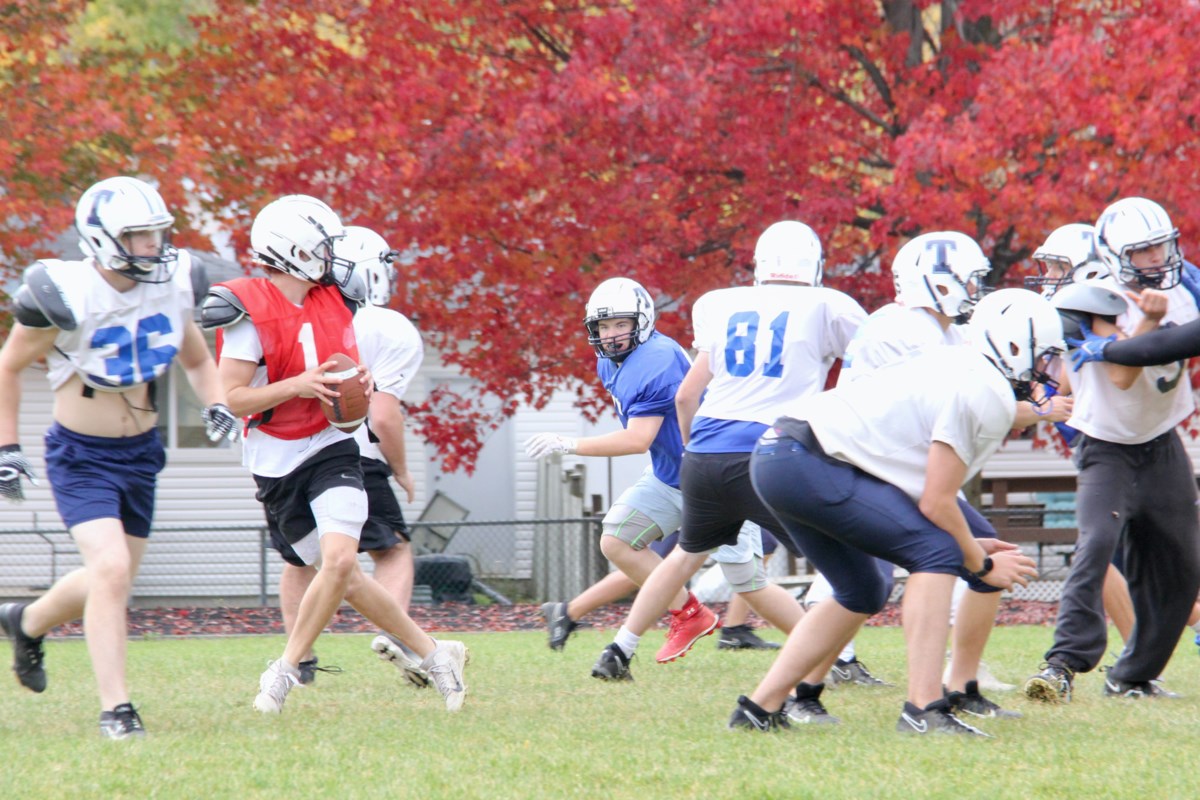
{"x":349,"y":410}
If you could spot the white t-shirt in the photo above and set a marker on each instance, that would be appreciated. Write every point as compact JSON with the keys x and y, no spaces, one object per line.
{"x":262,"y":453}
{"x":390,"y":346}
{"x":885,"y":422}
{"x":893,"y":334}
{"x":1159,"y":399}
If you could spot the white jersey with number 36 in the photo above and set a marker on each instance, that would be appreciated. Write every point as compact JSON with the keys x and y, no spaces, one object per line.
{"x":121,"y":338}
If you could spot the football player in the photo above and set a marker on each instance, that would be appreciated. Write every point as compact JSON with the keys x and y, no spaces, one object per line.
{"x":1136,"y":489}
{"x":641,"y":369}
{"x":108,"y":326}
{"x":757,"y":346}
{"x":872,"y":470}
{"x":277,"y":334}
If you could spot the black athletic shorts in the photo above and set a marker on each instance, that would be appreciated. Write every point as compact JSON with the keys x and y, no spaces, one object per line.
{"x":717,"y":498}
{"x":384,"y":528}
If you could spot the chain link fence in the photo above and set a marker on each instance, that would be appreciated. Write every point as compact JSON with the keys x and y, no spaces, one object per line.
{"x":506,"y":561}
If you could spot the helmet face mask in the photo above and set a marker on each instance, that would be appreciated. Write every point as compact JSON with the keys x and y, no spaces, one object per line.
{"x":943,"y":271}
{"x":1021,"y":333}
{"x":790,"y":252}
{"x":113,"y":218}
{"x":618,"y":299}
{"x":1126,"y":233}
{"x":297,"y":234}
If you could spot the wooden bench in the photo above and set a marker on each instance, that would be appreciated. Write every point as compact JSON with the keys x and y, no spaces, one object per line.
{"x":1012,"y":521}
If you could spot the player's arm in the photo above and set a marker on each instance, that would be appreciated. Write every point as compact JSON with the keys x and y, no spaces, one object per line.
{"x":23,"y":347}
{"x":1046,"y":409}
{"x":690,"y":392}
{"x":1154,"y":307}
{"x":1162,"y":346}
{"x":199,"y":366}
{"x":945,"y":474}
{"x":634,"y":439}
{"x":387,"y":423}
{"x":246,"y":400}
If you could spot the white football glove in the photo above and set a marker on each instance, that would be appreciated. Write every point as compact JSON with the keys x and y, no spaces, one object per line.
{"x":13,"y":467}
{"x":544,"y":444}
{"x":219,"y":423}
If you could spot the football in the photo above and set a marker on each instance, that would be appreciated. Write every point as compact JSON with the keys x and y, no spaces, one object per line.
{"x":349,"y":410}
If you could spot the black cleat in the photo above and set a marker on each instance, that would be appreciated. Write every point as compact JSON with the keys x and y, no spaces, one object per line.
{"x":122,"y":722}
{"x":612,"y":665}
{"x":559,"y":625}
{"x":27,"y":650}
{"x":852,"y":671}
{"x":937,"y":717}
{"x":743,"y":637}
{"x":1137,"y":690}
{"x":1052,"y":685}
{"x":752,"y":717}
{"x":970,"y":701}
{"x":805,"y":707}
{"x":309,"y":669}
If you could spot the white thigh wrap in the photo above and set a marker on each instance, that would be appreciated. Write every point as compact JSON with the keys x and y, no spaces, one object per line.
{"x":340,"y":509}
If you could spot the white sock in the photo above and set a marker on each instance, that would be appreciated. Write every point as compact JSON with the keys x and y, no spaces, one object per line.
{"x":627,"y":640}
{"x":960,"y":591}
{"x":818,"y":590}
{"x":847,"y":653}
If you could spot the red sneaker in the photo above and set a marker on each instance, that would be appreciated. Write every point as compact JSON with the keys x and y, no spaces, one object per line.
{"x":688,"y":625}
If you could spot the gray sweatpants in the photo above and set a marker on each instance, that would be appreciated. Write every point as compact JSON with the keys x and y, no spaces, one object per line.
{"x":1142,"y":499}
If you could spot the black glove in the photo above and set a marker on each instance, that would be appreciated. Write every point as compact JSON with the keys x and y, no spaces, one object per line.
{"x":13,"y":465}
{"x":219,"y":423}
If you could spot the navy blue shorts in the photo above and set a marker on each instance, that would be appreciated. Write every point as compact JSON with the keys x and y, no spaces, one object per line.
{"x":843,"y":519}
{"x":99,"y":477}
{"x":665,"y":545}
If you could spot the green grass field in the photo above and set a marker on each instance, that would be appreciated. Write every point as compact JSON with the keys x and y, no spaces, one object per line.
{"x":537,"y":725}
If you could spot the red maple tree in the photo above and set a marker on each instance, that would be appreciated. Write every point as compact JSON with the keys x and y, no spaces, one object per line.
{"x":524,"y":151}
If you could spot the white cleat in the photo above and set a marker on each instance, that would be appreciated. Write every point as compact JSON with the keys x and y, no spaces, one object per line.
{"x":273,"y":688}
{"x":388,"y":650}
{"x":445,"y":668}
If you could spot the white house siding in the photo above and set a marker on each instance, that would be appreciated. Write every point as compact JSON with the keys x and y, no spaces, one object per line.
{"x":210,"y":491}
{"x":199,"y":488}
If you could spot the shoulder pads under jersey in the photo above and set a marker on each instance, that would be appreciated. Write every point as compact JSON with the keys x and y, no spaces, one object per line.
{"x":221,"y":308}
{"x":40,"y":303}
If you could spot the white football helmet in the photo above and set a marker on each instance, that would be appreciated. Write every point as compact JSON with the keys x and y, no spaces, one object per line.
{"x":619,"y":298}
{"x":943,"y":270}
{"x":296,"y":234}
{"x":1020,"y":333}
{"x":1135,"y":223}
{"x":1065,"y":250}
{"x":788,"y":251}
{"x":116,"y":207}
{"x":372,"y":259}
